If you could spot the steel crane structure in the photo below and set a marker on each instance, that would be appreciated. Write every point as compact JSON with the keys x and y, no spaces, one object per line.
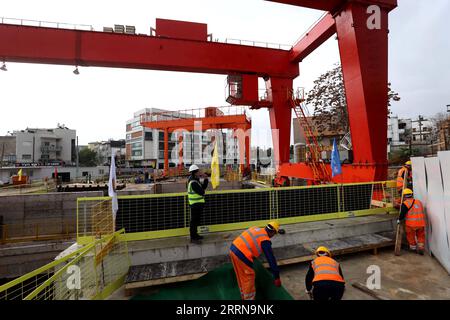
{"x":184,"y":46}
{"x":211,"y":118}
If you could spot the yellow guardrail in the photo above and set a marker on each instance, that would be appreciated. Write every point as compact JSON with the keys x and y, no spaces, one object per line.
{"x":93,"y":271}
{"x":167,"y":215}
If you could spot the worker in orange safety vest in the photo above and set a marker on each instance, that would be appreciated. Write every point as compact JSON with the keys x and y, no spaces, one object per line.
{"x":324,"y":280}
{"x":413,"y":213}
{"x":248,"y":246}
{"x":404,"y":176}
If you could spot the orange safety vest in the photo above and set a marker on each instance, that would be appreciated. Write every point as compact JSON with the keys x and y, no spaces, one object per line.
{"x":400,"y":175}
{"x":326,"y":268}
{"x":249,"y":242}
{"x":415,"y":216}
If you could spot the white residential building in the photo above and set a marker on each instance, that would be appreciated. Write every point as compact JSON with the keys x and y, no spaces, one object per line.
{"x":45,"y":146}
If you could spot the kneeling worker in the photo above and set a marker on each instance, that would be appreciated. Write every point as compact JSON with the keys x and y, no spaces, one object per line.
{"x":248,"y":246}
{"x":325,"y":277}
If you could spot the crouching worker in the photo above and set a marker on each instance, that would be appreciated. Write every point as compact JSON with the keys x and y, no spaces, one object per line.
{"x":325,"y":277}
{"x":247,"y":247}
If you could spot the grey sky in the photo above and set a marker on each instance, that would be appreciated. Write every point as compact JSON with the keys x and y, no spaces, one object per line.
{"x":99,"y":101}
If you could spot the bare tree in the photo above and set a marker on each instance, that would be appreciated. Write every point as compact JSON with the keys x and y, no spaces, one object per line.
{"x":330,"y":104}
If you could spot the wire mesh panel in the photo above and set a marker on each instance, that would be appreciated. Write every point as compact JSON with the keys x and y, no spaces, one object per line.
{"x":151,"y":213}
{"x":222,"y":208}
{"x":356,"y":197}
{"x":90,"y":272}
{"x":307,"y":201}
{"x":150,"y":216}
{"x":94,"y":217}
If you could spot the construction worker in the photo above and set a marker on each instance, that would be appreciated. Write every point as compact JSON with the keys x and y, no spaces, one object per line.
{"x":249,"y":246}
{"x":404,"y":176}
{"x":196,"y":199}
{"x":324,"y":277}
{"x":412,"y":212}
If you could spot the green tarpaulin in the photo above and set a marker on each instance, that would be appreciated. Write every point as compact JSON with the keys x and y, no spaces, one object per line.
{"x":220,"y":284}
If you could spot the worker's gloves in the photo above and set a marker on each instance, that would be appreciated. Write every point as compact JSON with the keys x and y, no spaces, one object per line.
{"x":398,"y":221}
{"x":277,"y":282}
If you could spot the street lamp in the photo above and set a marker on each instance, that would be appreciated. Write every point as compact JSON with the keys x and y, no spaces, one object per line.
{"x":448,"y":108}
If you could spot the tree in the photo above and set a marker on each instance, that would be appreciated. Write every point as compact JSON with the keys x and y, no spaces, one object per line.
{"x":87,"y":158}
{"x":330,"y":104}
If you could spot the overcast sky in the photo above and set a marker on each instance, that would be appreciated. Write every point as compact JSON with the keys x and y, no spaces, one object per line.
{"x":98,"y":102}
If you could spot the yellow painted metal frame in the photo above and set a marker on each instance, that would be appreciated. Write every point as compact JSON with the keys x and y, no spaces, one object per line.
{"x":78,"y":254}
{"x":274,"y":213}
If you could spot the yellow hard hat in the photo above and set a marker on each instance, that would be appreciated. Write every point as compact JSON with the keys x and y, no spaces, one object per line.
{"x":323,"y":249}
{"x":408,"y":163}
{"x":273,"y":225}
{"x":407,"y":192}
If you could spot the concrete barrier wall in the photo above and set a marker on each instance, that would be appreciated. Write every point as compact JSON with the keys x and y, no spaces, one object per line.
{"x":52,"y":211}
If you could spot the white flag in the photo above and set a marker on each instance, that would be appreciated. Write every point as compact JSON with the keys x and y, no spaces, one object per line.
{"x":112,"y":188}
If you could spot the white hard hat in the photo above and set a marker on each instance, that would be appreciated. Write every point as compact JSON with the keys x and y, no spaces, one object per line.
{"x":193,"y":168}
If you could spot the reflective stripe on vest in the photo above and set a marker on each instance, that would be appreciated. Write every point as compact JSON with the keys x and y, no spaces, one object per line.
{"x":326,"y":268}
{"x":194,"y":197}
{"x":415,"y":216}
{"x":249,"y":242}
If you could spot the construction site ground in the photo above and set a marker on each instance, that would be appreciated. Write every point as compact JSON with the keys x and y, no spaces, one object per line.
{"x":406,"y":277}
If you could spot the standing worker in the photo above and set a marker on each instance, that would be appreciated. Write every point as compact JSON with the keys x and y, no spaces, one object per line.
{"x":325,"y":277}
{"x":413,"y":214}
{"x":247,"y":247}
{"x":404,"y":176}
{"x":196,"y":199}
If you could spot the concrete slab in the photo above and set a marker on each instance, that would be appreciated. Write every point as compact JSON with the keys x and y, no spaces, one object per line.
{"x":407,"y":277}
{"x":163,"y":260}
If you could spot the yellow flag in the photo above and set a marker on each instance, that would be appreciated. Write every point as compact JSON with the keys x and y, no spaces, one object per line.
{"x":20,"y":174}
{"x":215,"y":173}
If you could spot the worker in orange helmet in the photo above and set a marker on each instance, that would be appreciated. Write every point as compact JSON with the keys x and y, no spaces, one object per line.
{"x":324,"y":280}
{"x":248,"y":246}
{"x":413,"y":213}
{"x":404,"y":175}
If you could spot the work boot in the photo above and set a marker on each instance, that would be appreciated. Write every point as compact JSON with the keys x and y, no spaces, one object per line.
{"x":420,"y":251}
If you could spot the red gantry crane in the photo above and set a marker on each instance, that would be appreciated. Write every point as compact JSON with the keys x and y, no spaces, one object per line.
{"x":185,"y":46}
{"x":202,"y":120}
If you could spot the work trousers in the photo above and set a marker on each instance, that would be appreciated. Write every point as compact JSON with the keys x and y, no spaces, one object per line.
{"x":196,"y":215}
{"x":327,"y":290}
{"x":415,"y":232}
{"x":245,"y":277}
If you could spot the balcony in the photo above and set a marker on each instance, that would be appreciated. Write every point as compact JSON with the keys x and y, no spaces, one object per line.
{"x":48,"y":149}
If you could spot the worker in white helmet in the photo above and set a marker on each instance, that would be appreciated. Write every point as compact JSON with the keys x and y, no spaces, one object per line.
{"x":196,"y":199}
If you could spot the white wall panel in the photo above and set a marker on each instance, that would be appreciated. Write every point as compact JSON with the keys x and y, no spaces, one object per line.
{"x":436,"y":213}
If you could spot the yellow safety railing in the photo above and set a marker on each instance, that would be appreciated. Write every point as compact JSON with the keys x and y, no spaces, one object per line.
{"x":93,"y":271}
{"x":167,"y":215}
{"x":39,"y":230}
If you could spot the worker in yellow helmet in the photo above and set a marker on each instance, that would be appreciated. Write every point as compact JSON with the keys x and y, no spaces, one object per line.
{"x":248,"y":246}
{"x":404,"y":175}
{"x":413,"y":213}
{"x":324,"y":280}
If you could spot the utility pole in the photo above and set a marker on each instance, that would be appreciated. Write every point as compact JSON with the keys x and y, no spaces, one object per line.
{"x":420,"y":127}
{"x":77,"y":150}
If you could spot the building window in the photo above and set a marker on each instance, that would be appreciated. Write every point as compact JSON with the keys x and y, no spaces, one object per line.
{"x":136,"y":153}
{"x":26,"y":157}
{"x":161,"y":135}
{"x":101,"y":171}
{"x":148,"y":136}
{"x":136,"y":146}
{"x":128,"y":136}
